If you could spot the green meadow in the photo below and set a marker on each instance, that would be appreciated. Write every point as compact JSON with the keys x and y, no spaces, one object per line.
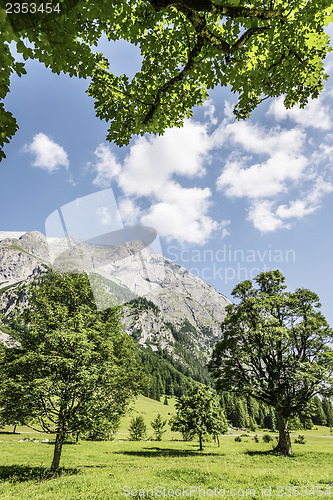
{"x":169,"y":468}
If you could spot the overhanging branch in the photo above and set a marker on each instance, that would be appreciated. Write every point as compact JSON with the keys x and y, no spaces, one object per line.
{"x":187,"y":68}
{"x":222,"y":10}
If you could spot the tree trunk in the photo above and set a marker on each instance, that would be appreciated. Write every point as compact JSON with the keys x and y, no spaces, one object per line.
{"x":58,"y":447}
{"x":200,"y":442}
{"x":284,"y":444}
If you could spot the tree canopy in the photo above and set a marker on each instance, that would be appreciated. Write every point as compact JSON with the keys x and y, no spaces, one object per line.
{"x":261,"y":49}
{"x":199,"y":412}
{"x":72,"y":368}
{"x":275,"y":348}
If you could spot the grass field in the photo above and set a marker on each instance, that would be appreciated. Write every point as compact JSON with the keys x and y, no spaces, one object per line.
{"x":125,"y":469}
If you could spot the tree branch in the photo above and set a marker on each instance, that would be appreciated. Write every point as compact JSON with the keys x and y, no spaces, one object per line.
{"x":187,"y":68}
{"x":223,"y":10}
{"x":246,"y":36}
{"x":190,"y":10}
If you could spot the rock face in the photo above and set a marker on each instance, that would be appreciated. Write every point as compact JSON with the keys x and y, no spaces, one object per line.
{"x":20,"y":256}
{"x":128,"y":271}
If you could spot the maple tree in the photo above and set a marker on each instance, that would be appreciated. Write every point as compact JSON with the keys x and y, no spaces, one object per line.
{"x":260,"y":48}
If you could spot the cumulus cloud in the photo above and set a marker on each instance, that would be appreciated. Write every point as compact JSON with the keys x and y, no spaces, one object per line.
{"x":267,"y":164}
{"x":260,"y":180}
{"x":268,"y":215}
{"x":224,"y":225}
{"x":181,"y":214}
{"x":316,"y":114}
{"x":262,"y":165}
{"x":151,"y":176}
{"x":49,"y":155}
{"x":260,"y":140}
{"x":262,"y":216}
{"x":104,"y":215}
{"x":297,"y":208}
{"x":129,"y":211}
{"x":106,"y":166}
{"x":153,"y":161}
{"x":240,"y":178}
{"x":209,"y":111}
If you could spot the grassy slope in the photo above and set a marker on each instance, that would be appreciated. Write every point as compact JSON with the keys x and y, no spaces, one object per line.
{"x":148,"y":409}
{"x":100,"y":470}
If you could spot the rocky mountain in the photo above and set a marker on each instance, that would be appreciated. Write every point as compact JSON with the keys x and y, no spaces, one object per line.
{"x":164,"y":305}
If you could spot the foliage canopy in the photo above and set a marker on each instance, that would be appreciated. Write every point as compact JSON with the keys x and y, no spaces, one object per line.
{"x":261,"y":49}
{"x":137,"y":428}
{"x":72,"y":369}
{"x":275,"y":347}
{"x":158,"y":425}
{"x":199,"y":412}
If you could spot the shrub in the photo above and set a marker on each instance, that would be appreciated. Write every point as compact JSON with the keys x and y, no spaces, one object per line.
{"x":238,"y":439}
{"x":137,"y":429}
{"x":256,"y":439}
{"x":158,"y":425}
{"x":267,"y":438}
{"x":300,"y":439}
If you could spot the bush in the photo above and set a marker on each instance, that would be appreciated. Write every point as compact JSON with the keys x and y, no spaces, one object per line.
{"x":267,"y":438}
{"x":238,"y":439}
{"x":137,"y":429}
{"x":300,"y":439}
{"x":256,"y":439}
{"x":158,"y":425}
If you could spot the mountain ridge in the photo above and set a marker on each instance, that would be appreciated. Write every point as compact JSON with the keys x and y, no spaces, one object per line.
{"x":184,"y":304}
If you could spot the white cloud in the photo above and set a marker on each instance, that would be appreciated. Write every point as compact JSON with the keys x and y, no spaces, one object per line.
{"x":297,"y":208}
{"x":316,"y":114}
{"x":324,"y":154}
{"x":267,"y":165}
{"x":263,"y":165}
{"x":267,"y":216}
{"x":181,"y":214}
{"x":256,"y":139}
{"x":153,"y":161}
{"x":261,"y":180}
{"x":225,"y":232}
{"x":49,"y":155}
{"x":320,"y":188}
{"x":151,"y":172}
{"x":129,"y":211}
{"x":209,"y":111}
{"x":104,"y":215}
{"x":107,"y":167}
{"x":262,"y":216}
{"x":228,"y":110}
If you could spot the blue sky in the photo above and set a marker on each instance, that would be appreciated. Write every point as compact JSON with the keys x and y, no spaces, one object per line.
{"x":228,"y":199}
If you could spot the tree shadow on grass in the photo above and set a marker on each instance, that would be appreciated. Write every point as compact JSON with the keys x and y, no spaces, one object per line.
{"x":170,"y":452}
{"x":22,"y":473}
{"x":272,"y":453}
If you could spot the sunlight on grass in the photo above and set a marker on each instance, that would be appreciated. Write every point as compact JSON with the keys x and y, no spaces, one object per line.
{"x":107,"y":470}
